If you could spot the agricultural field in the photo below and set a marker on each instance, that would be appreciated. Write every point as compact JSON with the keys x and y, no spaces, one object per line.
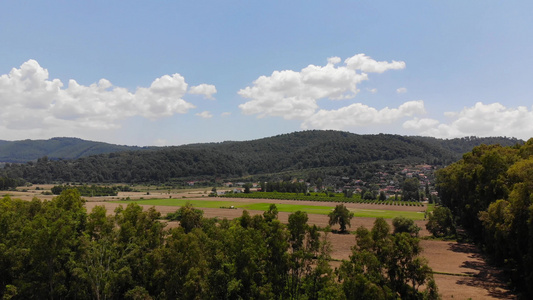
{"x":461,"y":271}
{"x":376,"y":211}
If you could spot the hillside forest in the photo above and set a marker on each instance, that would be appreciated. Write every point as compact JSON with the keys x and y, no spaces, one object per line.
{"x":299,"y":154}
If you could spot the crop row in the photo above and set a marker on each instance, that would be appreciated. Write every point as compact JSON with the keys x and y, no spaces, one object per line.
{"x":322,"y":198}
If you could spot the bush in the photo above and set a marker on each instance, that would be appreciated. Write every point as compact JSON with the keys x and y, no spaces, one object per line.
{"x":403,"y":224}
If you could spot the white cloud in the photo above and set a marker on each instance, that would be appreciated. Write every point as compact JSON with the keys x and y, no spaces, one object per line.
{"x":401,"y":90}
{"x":294,"y":95}
{"x":480,"y":120}
{"x":420,"y":124}
{"x":205,"y":115}
{"x":368,"y":65}
{"x":360,"y":115}
{"x":33,"y":103}
{"x":160,"y":142}
{"x":225,"y":114}
{"x":373,"y":91}
{"x":204,"y":89}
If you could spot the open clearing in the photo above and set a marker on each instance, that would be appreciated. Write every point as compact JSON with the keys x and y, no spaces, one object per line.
{"x":311,"y":207}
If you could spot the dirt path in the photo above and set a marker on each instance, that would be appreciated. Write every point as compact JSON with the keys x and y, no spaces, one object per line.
{"x":481,"y":281}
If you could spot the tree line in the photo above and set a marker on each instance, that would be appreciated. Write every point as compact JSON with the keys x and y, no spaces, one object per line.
{"x":89,"y":191}
{"x":55,"y":148}
{"x":7,"y":183}
{"x":490,"y":192}
{"x":56,"y":249}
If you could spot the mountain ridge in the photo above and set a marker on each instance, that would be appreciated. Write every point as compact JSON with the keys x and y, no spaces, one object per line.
{"x":22,"y":151}
{"x":335,"y":152}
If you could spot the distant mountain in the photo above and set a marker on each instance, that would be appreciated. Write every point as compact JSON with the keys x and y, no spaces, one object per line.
{"x":333,"y":152}
{"x":55,"y":148}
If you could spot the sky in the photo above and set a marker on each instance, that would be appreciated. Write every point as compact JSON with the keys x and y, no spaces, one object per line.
{"x":179,"y":72}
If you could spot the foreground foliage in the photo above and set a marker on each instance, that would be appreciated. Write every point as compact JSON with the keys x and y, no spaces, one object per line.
{"x":55,"y":249}
{"x":384,"y":265}
{"x":490,"y":192}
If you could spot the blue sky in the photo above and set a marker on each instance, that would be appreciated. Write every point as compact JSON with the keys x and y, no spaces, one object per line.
{"x":178,"y":72}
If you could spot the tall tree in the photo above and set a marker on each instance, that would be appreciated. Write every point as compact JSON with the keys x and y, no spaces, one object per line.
{"x":410,"y":189}
{"x":385,"y":266}
{"x":342,"y":216}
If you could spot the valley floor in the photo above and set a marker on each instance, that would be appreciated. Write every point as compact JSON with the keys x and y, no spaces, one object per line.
{"x":461,"y":270}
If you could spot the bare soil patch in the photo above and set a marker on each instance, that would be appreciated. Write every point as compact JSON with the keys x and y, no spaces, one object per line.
{"x":479,"y":281}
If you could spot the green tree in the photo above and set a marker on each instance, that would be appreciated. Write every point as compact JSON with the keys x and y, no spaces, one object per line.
{"x":52,"y":240}
{"x":403,"y":224}
{"x":320,"y":282}
{"x":297,"y":227}
{"x":183,"y":266}
{"x":368,"y":195}
{"x":247,"y":187}
{"x":271,"y":213}
{"x":342,"y":216}
{"x":189,"y":217}
{"x":440,"y":222}
{"x":385,"y":266}
{"x":410,"y":189}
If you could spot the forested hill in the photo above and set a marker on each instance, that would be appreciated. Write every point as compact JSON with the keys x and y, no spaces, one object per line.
{"x":335,"y":152}
{"x":55,"y":148}
{"x":466,"y":144}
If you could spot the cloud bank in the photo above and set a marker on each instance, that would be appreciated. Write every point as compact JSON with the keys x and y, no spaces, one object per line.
{"x":31,"y":101}
{"x":479,"y":120}
{"x":295,"y":95}
{"x":360,"y":115}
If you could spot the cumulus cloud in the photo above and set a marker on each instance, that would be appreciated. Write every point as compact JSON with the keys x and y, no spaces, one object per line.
{"x":420,"y":124}
{"x":294,"y":95}
{"x":373,"y":91}
{"x":360,"y":115}
{"x":480,"y":120}
{"x":205,"y":115}
{"x":368,"y":65}
{"x":401,"y":90}
{"x":31,"y":101}
{"x":204,"y":89}
{"x":160,"y":142}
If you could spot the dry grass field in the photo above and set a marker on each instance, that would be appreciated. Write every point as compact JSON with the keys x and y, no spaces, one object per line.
{"x":461,"y":270}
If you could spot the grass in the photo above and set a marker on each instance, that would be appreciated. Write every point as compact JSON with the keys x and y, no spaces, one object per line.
{"x":290,"y":208}
{"x":387,"y":214}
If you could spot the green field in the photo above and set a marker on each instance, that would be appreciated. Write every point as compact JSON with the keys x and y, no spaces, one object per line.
{"x":290,"y":208}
